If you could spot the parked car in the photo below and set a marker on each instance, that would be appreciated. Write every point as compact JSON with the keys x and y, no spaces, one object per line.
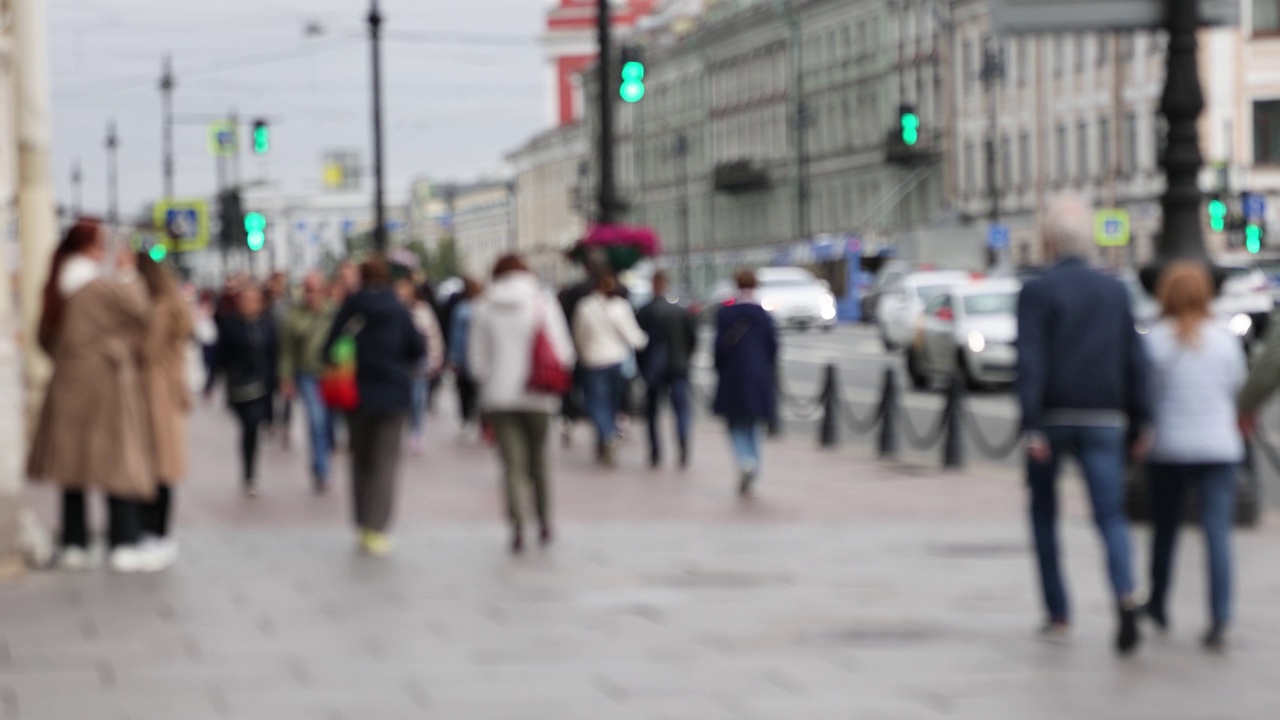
{"x":902,"y":305}
{"x":968,"y":329}
{"x":796,"y":298}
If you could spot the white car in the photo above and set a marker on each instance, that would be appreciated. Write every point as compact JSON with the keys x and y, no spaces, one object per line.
{"x":1245,"y":301}
{"x":969,"y":329}
{"x":795,"y":297}
{"x":902,"y":305}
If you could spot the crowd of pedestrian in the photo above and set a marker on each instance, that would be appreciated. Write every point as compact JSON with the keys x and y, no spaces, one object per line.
{"x":1175,"y":404}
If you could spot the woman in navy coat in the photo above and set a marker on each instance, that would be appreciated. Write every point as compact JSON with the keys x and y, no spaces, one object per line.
{"x":746,"y":359}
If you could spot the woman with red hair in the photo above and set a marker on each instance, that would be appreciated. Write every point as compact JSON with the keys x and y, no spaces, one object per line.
{"x":93,"y":432}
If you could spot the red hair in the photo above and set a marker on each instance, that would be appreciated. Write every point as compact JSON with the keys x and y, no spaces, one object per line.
{"x":80,"y":238}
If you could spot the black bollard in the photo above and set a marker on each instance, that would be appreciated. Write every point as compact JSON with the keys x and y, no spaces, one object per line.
{"x":889,"y":415}
{"x":953,"y":445}
{"x":830,"y":434}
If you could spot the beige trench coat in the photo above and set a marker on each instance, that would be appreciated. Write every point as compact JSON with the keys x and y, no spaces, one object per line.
{"x":164,"y":372}
{"x":93,"y":431}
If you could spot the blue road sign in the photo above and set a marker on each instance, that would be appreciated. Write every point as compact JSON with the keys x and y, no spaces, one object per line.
{"x":998,"y":237}
{"x":1255,"y":206}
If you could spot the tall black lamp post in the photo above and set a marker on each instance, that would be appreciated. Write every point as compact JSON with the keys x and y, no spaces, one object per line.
{"x":1182,"y":103}
{"x":379,"y":202}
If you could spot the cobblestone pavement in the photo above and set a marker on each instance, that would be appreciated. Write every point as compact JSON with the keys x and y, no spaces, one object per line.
{"x":849,"y":589}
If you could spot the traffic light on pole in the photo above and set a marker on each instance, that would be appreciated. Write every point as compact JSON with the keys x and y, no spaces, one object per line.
{"x":1254,"y":236}
{"x":1217,"y":214}
{"x":255,"y":231}
{"x":632,"y":88}
{"x":909,"y":124}
{"x":261,"y":137}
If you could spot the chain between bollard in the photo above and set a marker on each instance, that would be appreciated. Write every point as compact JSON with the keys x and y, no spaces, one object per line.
{"x":922,"y":441}
{"x":990,"y":450}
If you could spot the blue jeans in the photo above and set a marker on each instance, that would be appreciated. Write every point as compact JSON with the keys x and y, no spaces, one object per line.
{"x":744,"y":435}
{"x":602,"y":390}
{"x":1101,"y":453}
{"x":319,"y":426}
{"x":421,"y":392}
{"x":1168,"y":486}
{"x":677,"y":388}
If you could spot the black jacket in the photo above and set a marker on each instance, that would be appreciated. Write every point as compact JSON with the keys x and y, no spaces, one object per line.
{"x":387,"y":347}
{"x":1078,"y":348}
{"x":246,"y":355}
{"x":673,"y":338}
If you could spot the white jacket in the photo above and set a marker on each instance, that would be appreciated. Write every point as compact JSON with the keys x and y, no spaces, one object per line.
{"x":606,"y":331}
{"x":500,"y":345}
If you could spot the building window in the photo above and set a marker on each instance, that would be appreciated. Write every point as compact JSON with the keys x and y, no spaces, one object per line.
{"x":1104,"y":48}
{"x":1059,"y":55}
{"x":1024,"y":57}
{"x":1082,"y":151}
{"x":970,"y":169}
{"x":1130,"y":143}
{"x":1266,"y":132}
{"x":1104,"y":146}
{"x":967,"y":67}
{"x":1266,"y":17}
{"x":1024,"y":159}
{"x":1125,"y":45}
{"x":1060,"y":142}
{"x":1079,"y":52}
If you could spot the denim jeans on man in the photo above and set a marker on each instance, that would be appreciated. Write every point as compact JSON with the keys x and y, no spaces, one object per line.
{"x":418,"y":411}
{"x":1216,"y":488}
{"x":1101,"y":452}
{"x":602,"y":390}
{"x":745,"y":438}
{"x":319,"y":426}
{"x":677,"y":388}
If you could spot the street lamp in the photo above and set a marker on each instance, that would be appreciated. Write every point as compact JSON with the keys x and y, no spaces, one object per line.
{"x":379,"y":206}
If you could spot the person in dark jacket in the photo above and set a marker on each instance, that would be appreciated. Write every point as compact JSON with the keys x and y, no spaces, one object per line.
{"x":246,"y":356}
{"x":1082,"y":385}
{"x":665,"y":365}
{"x":746,"y":354}
{"x":388,"y":346}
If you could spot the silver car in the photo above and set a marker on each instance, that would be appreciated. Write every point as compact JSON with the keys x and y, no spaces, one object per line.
{"x":970,"y":330}
{"x":795,"y":298}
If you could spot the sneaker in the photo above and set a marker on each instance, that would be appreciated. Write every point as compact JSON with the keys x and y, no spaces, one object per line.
{"x":1215,"y":640}
{"x":250,"y":491}
{"x":76,"y":559}
{"x":1156,"y":616}
{"x":1055,"y":631}
{"x":1128,"y":638}
{"x":165,"y":549}
{"x":684,"y":456}
{"x":746,"y":484}
{"x":129,"y":559}
{"x":376,"y":544}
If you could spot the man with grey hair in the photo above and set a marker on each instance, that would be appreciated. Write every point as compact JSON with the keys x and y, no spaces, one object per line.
{"x":1082,"y":386}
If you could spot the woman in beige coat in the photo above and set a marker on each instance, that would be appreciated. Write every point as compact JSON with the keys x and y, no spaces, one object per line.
{"x":164,"y":377}
{"x":93,"y":432}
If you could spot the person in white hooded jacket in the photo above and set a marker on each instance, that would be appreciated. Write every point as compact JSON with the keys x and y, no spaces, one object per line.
{"x":500,"y":356}
{"x":607,"y":334}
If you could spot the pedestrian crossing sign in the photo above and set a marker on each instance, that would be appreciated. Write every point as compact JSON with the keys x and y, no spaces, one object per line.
{"x":1111,"y":228}
{"x":182,"y":225}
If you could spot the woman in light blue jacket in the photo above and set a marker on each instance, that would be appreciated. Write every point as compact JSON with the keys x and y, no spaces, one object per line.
{"x":1198,"y":368}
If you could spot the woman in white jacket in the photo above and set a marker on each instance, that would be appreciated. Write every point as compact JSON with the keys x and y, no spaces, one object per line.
{"x":500,"y":356}
{"x":607,"y":333}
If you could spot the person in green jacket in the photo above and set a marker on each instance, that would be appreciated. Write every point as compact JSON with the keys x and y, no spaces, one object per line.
{"x":302,"y":338}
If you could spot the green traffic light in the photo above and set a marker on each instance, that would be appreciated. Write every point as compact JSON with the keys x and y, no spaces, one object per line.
{"x":910,"y":128}
{"x":632,"y":89}
{"x":255,"y":229}
{"x":158,"y":253}
{"x":261,"y":139}
{"x":1217,"y":215}
{"x":1253,"y":238}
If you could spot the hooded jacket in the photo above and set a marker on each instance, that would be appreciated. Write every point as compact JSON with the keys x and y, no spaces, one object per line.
{"x":500,"y":345}
{"x":388,"y":345}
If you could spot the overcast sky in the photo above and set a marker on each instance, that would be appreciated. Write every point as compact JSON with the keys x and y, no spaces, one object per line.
{"x":464,"y":85}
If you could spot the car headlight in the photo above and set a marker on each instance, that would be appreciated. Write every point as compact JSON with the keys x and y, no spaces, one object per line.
{"x":829,"y":312}
{"x":1240,"y":325}
{"x":977,"y":343}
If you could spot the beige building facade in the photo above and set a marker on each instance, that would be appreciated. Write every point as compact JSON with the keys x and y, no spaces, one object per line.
{"x":549,"y":172}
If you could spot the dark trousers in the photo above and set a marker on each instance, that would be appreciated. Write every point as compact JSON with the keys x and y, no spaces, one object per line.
{"x":677,"y":389}
{"x":522,"y":442}
{"x":1216,"y":487}
{"x":375,"y":461}
{"x":251,"y":415}
{"x":122,"y":521}
{"x":153,"y":517}
{"x":468,"y":393}
{"x":1101,"y":454}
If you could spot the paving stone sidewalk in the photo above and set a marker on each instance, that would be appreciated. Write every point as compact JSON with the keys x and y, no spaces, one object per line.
{"x":849,"y":589}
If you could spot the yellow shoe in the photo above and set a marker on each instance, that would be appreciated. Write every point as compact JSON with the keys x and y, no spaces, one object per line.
{"x":376,"y":544}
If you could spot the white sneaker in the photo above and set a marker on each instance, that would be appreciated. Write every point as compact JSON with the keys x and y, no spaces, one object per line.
{"x":128,"y":559}
{"x":76,"y":559}
{"x":165,"y":549}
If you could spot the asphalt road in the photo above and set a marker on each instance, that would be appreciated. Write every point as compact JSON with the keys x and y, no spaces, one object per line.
{"x":861,"y":361}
